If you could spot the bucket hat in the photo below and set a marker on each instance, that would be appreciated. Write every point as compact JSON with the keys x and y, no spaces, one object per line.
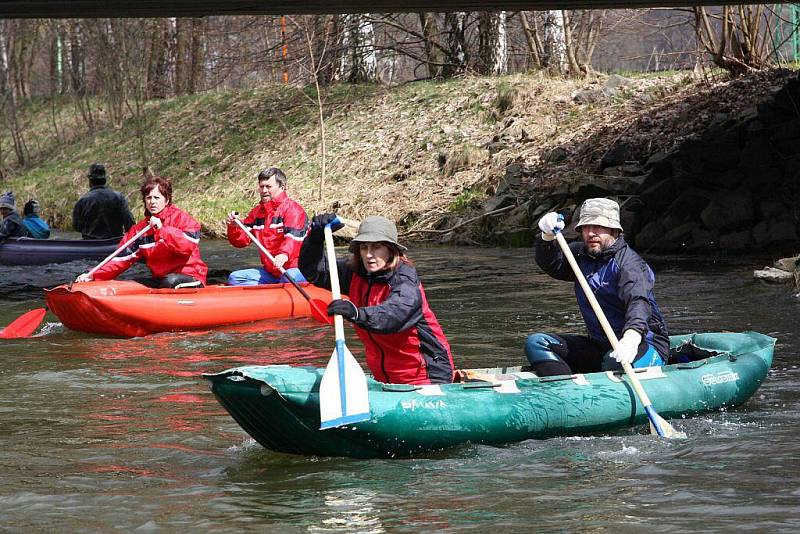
{"x":374,"y":229}
{"x":7,"y":200}
{"x":600,"y":212}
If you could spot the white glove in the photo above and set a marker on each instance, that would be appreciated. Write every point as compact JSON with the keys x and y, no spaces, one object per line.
{"x":548,"y":224}
{"x":155,"y":222}
{"x":85,"y":277}
{"x":628,"y":347}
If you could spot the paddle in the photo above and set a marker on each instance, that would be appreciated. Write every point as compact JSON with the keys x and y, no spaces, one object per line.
{"x":24,"y":325}
{"x":122,"y":247}
{"x":343,"y":391}
{"x":658,"y":425}
{"x":318,"y":307}
{"x":27,"y":323}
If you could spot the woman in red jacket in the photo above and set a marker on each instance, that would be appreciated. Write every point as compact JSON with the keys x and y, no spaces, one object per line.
{"x":170,"y":248}
{"x":403,"y":340}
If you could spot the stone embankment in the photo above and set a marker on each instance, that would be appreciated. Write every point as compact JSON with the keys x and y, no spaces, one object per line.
{"x":733,"y":188}
{"x":782,"y":271}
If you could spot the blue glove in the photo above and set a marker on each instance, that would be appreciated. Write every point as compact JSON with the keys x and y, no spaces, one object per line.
{"x":323,"y":219}
{"x":345,"y":308}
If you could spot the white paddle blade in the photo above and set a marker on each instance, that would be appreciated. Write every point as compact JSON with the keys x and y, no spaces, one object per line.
{"x":343,"y":392}
{"x":669,"y":431}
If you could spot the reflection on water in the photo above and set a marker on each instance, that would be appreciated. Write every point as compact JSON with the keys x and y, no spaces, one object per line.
{"x":107,"y":434}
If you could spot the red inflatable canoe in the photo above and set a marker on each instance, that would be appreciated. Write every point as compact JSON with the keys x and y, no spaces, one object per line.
{"x":129,"y":309}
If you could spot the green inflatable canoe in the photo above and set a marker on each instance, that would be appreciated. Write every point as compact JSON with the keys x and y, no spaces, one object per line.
{"x":278,"y":405}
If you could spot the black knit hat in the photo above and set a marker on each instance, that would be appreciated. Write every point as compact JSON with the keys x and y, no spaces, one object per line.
{"x":31,"y":208}
{"x":97,"y":173}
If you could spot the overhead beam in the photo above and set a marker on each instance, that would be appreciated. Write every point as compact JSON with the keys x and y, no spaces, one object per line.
{"x":203,"y":8}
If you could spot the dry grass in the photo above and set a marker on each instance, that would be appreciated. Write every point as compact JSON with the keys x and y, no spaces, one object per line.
{"x":410,"y":153}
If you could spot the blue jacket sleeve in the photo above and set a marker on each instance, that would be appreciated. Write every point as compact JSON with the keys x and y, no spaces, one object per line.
{"x":551,"y":260}
{"x":634,"y":289}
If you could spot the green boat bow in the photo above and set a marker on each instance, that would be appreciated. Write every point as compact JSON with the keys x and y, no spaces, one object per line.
{"x":278,"y":405}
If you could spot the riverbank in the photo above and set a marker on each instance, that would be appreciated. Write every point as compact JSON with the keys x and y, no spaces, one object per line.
{"x":430,"y":155}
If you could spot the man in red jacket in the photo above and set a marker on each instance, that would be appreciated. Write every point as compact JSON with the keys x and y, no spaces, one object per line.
{"x":279,"y":223}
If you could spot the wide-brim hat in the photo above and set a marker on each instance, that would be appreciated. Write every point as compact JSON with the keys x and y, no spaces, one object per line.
{"x":599,"y":212}
{"x":376,"y":229}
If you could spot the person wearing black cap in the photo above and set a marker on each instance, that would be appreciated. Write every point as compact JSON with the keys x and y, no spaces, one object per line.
{"x":403,"y":341}
{"x":36,"y":226}
{"x":101,"y":213}
{"x":11,"y":224}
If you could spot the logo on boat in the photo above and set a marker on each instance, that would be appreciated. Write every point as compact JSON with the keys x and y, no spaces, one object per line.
{"x":713,"y":380}
{"x":428,"y":404}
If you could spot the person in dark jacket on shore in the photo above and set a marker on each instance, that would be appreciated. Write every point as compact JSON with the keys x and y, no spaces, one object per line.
{"x":101,"y":213}
{"x":403,"y":341}
{"x":11,"y":224}
{"x":623,"y":285}
{"x":36,"y":226}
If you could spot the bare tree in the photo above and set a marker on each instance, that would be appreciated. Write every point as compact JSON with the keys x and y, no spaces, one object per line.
{"x":493,"y":45}
{"x":736,"y":38}
{"x":581,"y":31}
{"x":196,"y":70}
{"x":359,"y":59}
{"x":434,"y":57}
{"x":158,"y":31}
{"x":182,"y":29}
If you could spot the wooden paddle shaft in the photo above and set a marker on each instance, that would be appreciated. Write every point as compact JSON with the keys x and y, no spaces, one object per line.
{"x":333,"y":271}
{"x":612,"y":337}
{"x":122,"y":247}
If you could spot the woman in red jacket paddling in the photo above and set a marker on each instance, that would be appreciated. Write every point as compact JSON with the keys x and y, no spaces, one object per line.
{"x":170,"y":248}
{"x":403,"y":340}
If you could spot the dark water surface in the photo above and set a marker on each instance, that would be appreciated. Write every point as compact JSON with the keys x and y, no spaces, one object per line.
{"x":122,"y":434}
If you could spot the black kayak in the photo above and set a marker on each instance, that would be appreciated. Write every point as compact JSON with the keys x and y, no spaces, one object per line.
{"x":28,"y":251}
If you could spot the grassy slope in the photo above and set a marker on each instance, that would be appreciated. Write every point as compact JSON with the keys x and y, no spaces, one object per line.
{"x":413,"y":153}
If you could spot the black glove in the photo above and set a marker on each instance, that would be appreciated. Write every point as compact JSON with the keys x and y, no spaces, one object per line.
{"x":323,"y":219}
{"x":345,"y":308}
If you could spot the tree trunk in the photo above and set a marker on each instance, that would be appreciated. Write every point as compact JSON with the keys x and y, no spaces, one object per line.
{"x":359,"y":60}
{"x":157,"y":59}
{"x":433,"y":56}
{"x":76,"y":63}
{"x":492,"y":43}
{"x":532,"y":39}
{"x":553,"y":57}
{"x":5,"y":80}
{"x":198,"y":56}
{"x":181,"y":67}
{"x":325,"y":32}
{"x":455,"y":23}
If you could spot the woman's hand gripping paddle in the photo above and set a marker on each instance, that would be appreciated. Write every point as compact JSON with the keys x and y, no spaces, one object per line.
{"x":658,"y":425}
{"x":343,"y":391}
{"x":27,"y":323}
{"x":318,"y":307}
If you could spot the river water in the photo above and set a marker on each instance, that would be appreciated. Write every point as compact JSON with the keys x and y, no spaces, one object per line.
{"x":101,"y":434}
